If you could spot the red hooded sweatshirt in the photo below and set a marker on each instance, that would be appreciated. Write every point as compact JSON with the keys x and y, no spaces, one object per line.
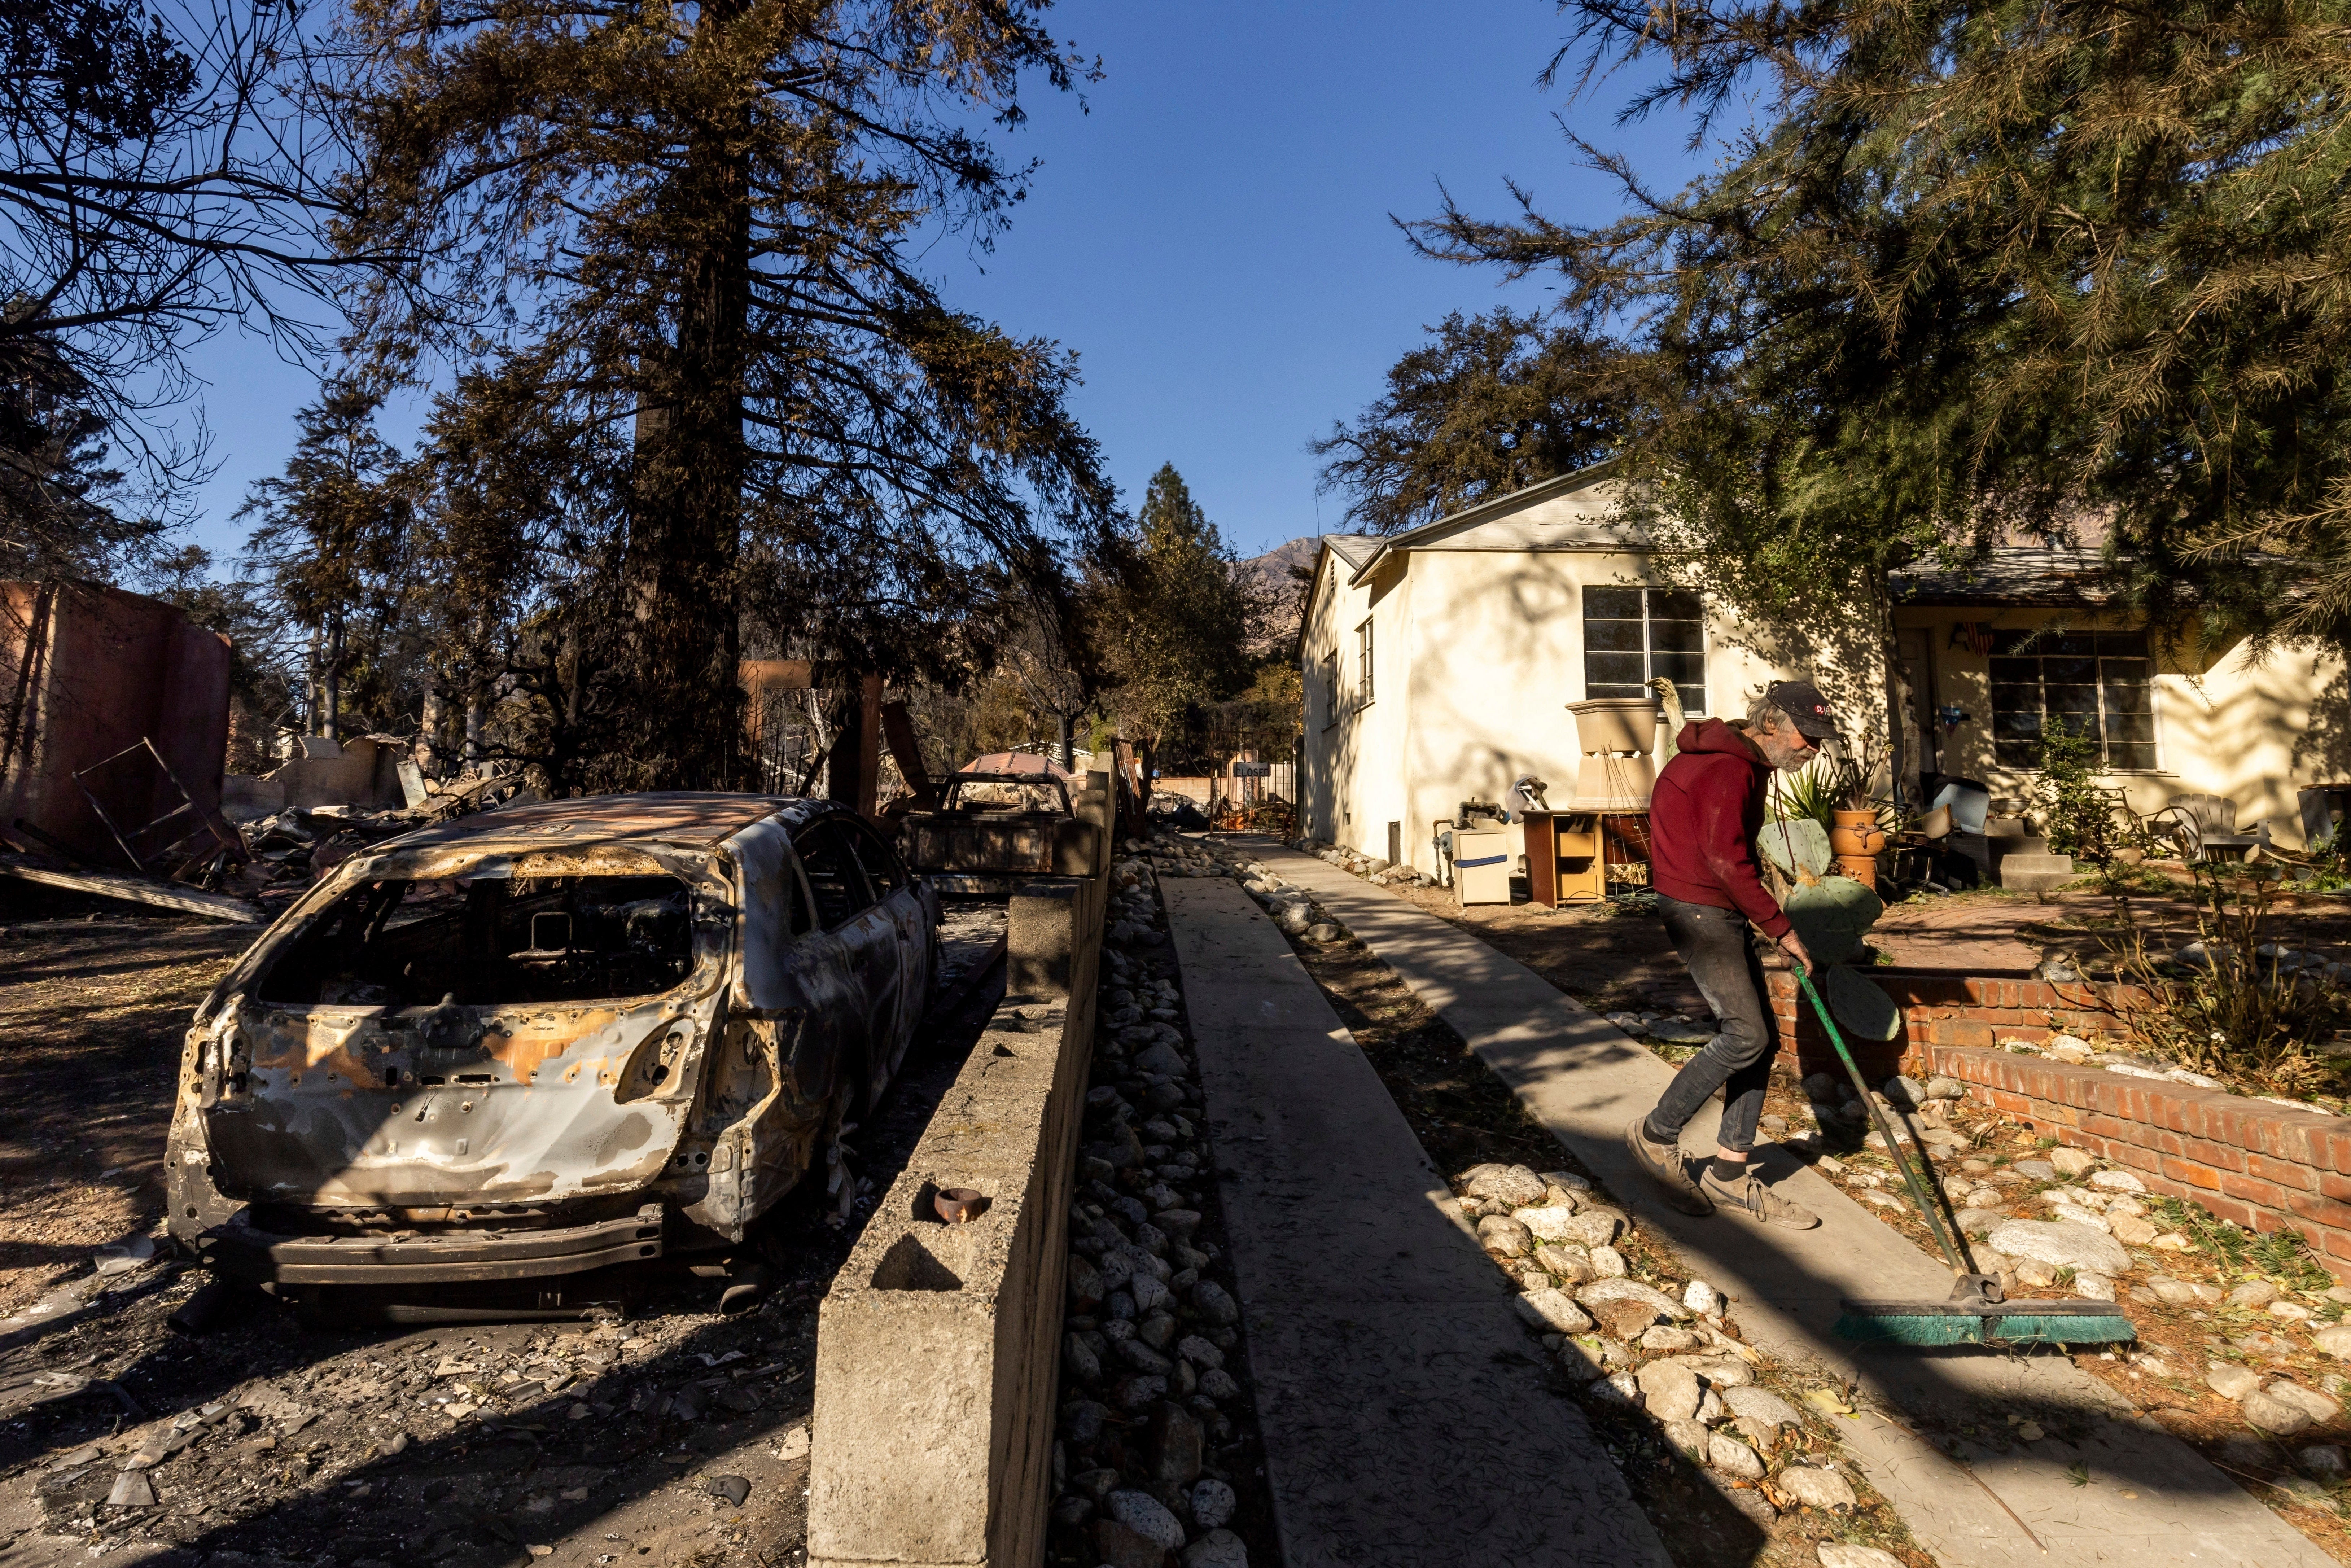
{"x":1703,"y":819}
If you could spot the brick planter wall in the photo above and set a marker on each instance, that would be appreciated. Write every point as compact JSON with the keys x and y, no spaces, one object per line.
{"x":2261,"y":1165}
{"x":1941,"y":1008}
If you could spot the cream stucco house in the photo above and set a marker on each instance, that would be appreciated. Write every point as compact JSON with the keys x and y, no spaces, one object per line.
{"x":1438,"y":664}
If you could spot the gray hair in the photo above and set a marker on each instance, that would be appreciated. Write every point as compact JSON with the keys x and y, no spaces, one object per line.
{"x":1765,"y":714}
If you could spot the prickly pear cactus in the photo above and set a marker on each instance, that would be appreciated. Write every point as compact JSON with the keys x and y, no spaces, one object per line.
{"x":1798,"y":846}
{"x":1860,"y":1006}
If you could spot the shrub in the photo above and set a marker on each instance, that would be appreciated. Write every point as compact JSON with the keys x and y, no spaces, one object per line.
{"x":2080,"y":815}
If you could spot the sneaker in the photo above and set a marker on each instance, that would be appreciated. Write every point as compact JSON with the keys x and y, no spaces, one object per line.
{"x":1757,"y":1202}
{"x":1663,"y":1163}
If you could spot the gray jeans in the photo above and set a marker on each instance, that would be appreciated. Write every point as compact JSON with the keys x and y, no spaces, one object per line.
{"x":1714,"y":946}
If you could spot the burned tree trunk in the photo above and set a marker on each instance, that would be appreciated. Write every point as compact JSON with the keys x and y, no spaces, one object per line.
{"x":682,"y":640}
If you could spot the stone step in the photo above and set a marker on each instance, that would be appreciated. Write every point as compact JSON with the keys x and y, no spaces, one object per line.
{"x":2037,"y":872}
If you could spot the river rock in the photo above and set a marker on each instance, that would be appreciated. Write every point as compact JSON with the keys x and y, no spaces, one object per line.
{"x":2035,"y":1170}
{"x":2253,"y":1293}
{"x":1761,"y":1406}
{"x":1732,"y":1457}
{"x":1701,"y":1298}
{"x":2336,"y":1342}
{"x":2089,"y":1285}
{"x":1841,"y":1554}
{"x":1593,"y":1226}
{"x":1979,"y":1221}
{"x":1147,"y":1516}
{"x":2072,"y":1162}
{"x":2279,"y":1418}
{"x":2061,"y":1245}
{"x":2136,"y":1232}
{"x":2322,"y":1410}
{"x":1513,"y":1185}
{"x":1669,"y":1390}
{"x":1501,"y":1234}
{"x":1217,"y":1549}
{"x":1817,"y":1486}
{"x":1690,"y":1436}
{"x":2117,"y":1181}
{"x":1547,"y":1223}
{"x":1602,"y":1291}
{"x":1548,"y":1309}
{"x":2231,"y":1381}
{"x":1213,"y":1503}
{"x":1572,"y":1264}
{"x":1608,"y":1263}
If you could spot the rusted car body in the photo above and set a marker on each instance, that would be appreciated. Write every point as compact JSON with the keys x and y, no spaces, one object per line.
{"x":548,"y":1039}
{"x":995,"y":830}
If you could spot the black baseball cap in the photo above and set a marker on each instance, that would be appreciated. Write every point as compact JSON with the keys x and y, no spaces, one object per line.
{"x":1801,"y":701}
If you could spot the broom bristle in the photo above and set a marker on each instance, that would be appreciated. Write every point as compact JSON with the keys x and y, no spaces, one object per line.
{"x":1918,"y":1329}
{"x":2068,"y":1328}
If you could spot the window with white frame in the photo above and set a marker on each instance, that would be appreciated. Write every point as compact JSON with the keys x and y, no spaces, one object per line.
{"x":1632,"y":635}
{"x":1330,"y":690}
{"x":1364,"y":663}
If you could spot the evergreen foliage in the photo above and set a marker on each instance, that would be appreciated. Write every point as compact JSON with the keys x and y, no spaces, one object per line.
{"x":695,"y":226}
{"x":1492,"y":404}
{"x":1981,"y":273}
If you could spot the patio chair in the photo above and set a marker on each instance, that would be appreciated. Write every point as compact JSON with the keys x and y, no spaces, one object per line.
{"x":2206,"y":826}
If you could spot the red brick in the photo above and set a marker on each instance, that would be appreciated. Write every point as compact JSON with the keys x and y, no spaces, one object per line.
{"x":2318,"y":1211}
{"x":2236,"y":1212}
{"x":2192,"y":1172}
{"x":2251,"y":1189}
{"x":2221,"y":1157}
{"x":2285,"y":1173}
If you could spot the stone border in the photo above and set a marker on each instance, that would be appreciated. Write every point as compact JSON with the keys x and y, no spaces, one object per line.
{"x":938,"y":1346}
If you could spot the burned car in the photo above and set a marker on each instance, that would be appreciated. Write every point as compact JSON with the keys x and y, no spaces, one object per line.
{"x":995,"y":830}
{"x":529,"y":1044}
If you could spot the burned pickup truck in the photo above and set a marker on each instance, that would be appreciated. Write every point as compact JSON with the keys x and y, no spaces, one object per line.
{"x":532,"y":1043}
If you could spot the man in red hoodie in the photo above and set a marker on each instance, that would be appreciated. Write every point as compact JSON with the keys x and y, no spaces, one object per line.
{"x":1703,"y":819}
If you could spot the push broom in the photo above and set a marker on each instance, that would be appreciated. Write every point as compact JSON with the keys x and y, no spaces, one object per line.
{"x":1974,"y":1313}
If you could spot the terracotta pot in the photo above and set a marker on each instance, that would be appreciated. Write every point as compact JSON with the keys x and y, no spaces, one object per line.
{"x":1862,"y":868}
{"x":1856,"y":833}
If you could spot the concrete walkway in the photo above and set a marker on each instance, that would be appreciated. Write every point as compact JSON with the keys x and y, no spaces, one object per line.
{"x":1404,"y":1423}
{"x":1585,"y":1081}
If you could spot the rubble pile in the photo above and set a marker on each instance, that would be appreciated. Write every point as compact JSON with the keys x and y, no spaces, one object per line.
{"x":1157,"y":1446}
{"x":455,"y":1445}
{"x":1371,"y":868}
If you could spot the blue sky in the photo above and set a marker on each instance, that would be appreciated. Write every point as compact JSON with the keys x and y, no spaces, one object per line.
{"x":1211,"y":235}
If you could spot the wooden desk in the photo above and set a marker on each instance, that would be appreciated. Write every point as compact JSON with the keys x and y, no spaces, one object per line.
{"x":1569,"y":853}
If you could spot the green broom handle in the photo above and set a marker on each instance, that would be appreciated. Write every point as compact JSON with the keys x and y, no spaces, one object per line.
{"x":1918,"y":1191}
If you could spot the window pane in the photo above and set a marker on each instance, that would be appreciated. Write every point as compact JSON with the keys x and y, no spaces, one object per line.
{"x":2017,"y":753}
{"x":2130,"y":645}
{"x":1683,"y":636}
{"x":2135,"y":728}
{"x":2131,"y":671}
{"x":2070,"y":699}
{"x":1693,"y":695}
{"x":2069,"y":671}
{"x":2016,"y":699}
{"x":2132,"y":756}
{"x":2006,"y":642}
{"x":833,"y":876}
{"x":1688,"y":670}
{"x":2126,"y":699}
{"x":1673,"y":604}
{"x":1594,"y":690}
{"x":2015,"y":724}
{"x":1612,"y":635}
{"x":2068,"y":642}
{"x":2020,"y":671}
{"x":1614,"y":669}
{"x":1611,"y":604}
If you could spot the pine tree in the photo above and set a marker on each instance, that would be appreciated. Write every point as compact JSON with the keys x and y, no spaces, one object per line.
{"x":333,"y":535}
{"x":698,"y":222}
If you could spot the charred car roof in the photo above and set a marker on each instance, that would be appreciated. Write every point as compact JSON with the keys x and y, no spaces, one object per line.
{"x":685,"y":819}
